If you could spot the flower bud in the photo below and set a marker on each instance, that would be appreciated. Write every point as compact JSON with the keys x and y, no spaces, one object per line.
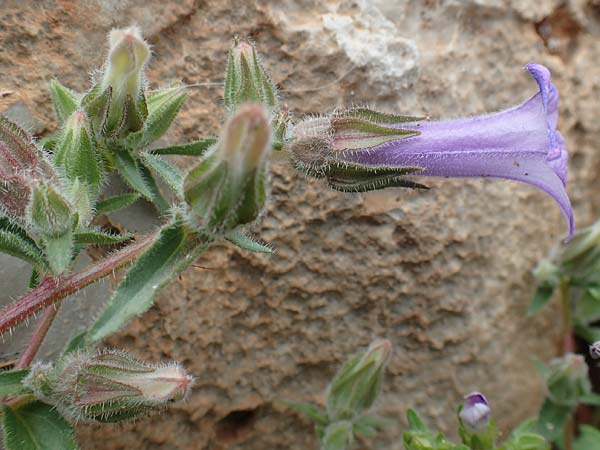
{"x":75,"y":152}
{"x":356,"y":386}
{"x":50,"y":214}
{"x":595,"y":350}
{"x":475,"y":413}
{"x":124,"y":79}
{"x":227,"y":188}
{"x":246,"y":80}
{"x":110,"y":386}
{"x":320,"y":146}
{"x":567,"y":379}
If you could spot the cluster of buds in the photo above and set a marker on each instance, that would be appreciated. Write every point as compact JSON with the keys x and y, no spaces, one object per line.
{"x":567,"y":380}
{"x":228,"y":187}
{"x":109,"y":386}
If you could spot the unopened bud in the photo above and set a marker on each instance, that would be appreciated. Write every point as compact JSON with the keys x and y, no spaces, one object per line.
{"x":108,"y":387}
{"x":246,"y":80}
{"x":124,"y":76}
{"x":356,"y":386}
{"x":475,"y":412}
{"x":595,"y":350}
{"x":321,"y":145}
{"x":567,"y":379}
{"x":75,"y":152}
{"x":227,"y":188}
{"x":50,"y":214}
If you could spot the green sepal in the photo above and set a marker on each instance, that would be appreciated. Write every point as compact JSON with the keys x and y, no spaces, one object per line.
{"x":415,"y":423}
{"x":197,"y":148}
{"x":316,"y":414}
{"x":357,"y":178}
{"x":543,"y":294}
{"x":100,"y":238}
{"x":129,"y":169}
{"x":172,"y":251}
{"x":245,"y":242}
{"x":169,"y":173}
{"x":378,"y":117}
{"x":11,"y":383}
{"x":352,"y":133}
{"x":159,"y":120}
{"x":36,"y":426}
{"x":368,"y":426}
{"x":116,"y":203}
{"x":65,"y":101}
{"x":337,"y":436}
{"x":96,"y":104}
{"x":59,"y":251}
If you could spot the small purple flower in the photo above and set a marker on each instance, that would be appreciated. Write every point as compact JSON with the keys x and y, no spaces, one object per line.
{"x":364,"y":150}
{"x":475,"y":413}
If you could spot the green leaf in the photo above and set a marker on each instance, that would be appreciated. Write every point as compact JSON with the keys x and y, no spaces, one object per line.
{"x":169,"y":173}
{"x":161,"y":204}
{"x":15,"y":245}
{"x":160,"y":119}
{"x":59,"y":251}
{"x":369,"y":426}
{"x":590,"y":399}
{"x":338,"y":436}
{"x":168,"y":255}
{"x":129,"y":170}
{"x":100,"y":238}
{"x":65,"y":101}
{"x":542,"y":296}
{"x":10,"y":383}
{"x":197,"y":148}
{"x":414,"y":421}
{"x":551,"y":420}
{"x":243,"y":241}
{"x":116,"y":203}
{"x":312,"y":411}
{"x":75,"y":344}
{"x":589,"y":438}
{"x":36,"y":426}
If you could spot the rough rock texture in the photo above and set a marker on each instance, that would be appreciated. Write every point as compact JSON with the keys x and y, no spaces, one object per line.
{"x":444,"y":274}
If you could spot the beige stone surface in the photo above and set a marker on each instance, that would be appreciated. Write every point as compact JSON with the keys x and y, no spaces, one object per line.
{"x":444,"y":274}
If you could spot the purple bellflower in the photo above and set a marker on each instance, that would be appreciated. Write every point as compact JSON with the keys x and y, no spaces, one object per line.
{"x":361,"y":150}
{"x":475,"y":413}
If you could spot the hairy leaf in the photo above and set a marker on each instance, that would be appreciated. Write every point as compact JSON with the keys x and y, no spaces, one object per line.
{"x":197,"y":148}
{"x":65,"y":101}
{"x":169,"y":173}
{"x":116,"y":203}
{"x":130,"y":171}
{"x":542,"y":296}
{"x":100,"y":238}
{"x":10,"y":383}
{"x":243,"y":241}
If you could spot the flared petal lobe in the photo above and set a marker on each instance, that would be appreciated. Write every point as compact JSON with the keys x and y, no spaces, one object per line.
{"x":520,"y":143}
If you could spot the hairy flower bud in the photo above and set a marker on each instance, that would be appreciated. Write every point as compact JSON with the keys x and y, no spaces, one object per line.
{"x":246,"y":80}
{"x":356,"y":386}
{"x":75,"y":152}
{"x":321,"y":145}
{"x":227,"y":188}
{"x":475,"y":413}
{"x":110,"y":386}
{"x":49,"y":211}
{"x":21,"y":164}
{"x":117,"y":103}
{"x":567,"y":379}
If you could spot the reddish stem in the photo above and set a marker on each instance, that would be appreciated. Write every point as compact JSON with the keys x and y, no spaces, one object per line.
{"x":51,"y":290}
{"x":38,"y":336}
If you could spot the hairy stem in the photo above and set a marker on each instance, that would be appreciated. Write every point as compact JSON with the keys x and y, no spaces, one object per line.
{"x":38,"y":336}
{"x":51,"y":290}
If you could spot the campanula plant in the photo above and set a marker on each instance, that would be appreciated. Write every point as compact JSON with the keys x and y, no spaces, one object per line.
{"x":53,"y":197}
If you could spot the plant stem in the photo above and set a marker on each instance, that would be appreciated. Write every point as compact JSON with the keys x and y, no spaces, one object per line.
{"x":51,"y":290}
{"x":568,"y":344}
{"x":569,"y":433}
{"x":38,"y":336}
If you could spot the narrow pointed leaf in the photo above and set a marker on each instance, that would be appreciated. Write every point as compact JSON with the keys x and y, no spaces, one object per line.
{"x":65,"y":101}
{"x":159,"y":201}
{"x":116,"y":203}
{"x":197,"y":148}
{"x":11,"y":383}
{"x":542,"y":296}
{"x":129,"y":170}
{"x":414,"y":421}
{"x":312,"y":411}
{"x":170,"y":253}
{"x":36,"y":426}
{"x":246,"y":242}
{"x":59,"y":251}
{"x":15,"y":245}
{"x":169,"y":173}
